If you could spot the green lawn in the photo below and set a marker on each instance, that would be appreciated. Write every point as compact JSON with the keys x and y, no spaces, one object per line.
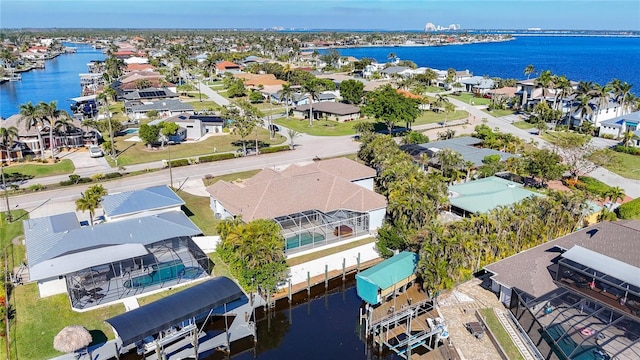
{"x":334,"y":250}
{"x":625,"y":165}
{"x":501,"y":334}
{"x":470,"y":98}
{"x":39,"y":320}
{"x":434,"y":89}
{"x":499,"y":113}
{"x":42,"y":170}
{"x":204,"y":105}
{"x":430,"y":117}
{"x":137,"y":153}
{"x":320,"y":127}
{"x":554,"y":136}
{"x":523,"y":125}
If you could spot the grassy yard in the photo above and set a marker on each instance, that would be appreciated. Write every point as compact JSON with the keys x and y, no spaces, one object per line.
{"x":136,"y":152}
{"x":204,"y":105}
{"x":470,"y":98}
{"x":434,"y":89}
{"x":42,"y":170}
{"x":39,"y":320}
{"x":499,"y":113}
{"x":320,"y":127}
{"x":554,"y":136}
{"x":334,"y":250}
{"x":523,"y":125}
{"x":430,"y":117}
{"x":501,"y":334}
{"x":625,"y":165}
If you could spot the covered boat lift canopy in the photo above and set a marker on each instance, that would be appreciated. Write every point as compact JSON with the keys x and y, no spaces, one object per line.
{"x":379,"y":281}
{"x":151,"y":319}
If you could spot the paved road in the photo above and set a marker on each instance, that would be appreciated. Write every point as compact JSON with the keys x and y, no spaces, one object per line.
{"x":213,"y":95}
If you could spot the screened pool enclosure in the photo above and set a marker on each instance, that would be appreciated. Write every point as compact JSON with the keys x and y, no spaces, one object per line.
{"x":312,"y":228}
{"x":158,"y":265}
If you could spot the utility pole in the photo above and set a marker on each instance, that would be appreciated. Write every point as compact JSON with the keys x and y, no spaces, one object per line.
{"x":6,"y":193}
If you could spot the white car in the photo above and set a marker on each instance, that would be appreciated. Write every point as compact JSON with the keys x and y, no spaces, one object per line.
{"x":95,"y":151}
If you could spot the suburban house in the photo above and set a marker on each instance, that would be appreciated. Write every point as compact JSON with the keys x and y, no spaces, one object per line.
{"x":620,"y":125}
{"x":485,"y":194}
{"x":131,"y":82}
{"x":257,"y":80}
{"x":75,"y":135}
{"x":227,"y":67}
{"x":150,"y":94}
{"x":197,"y":125}
{"x":315,"y":205}
{"x":165,"y":108}
{"x":140,"y":203}
{"x":106,"y":263}
{"x":330,"y":110}
{"x":577,"y":296}
{"x":299,"y":99}
{"x":469,"y":147}
{"x":478,"y":84}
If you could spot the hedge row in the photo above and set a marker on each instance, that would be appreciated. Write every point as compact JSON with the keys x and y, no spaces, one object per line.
{"x":630,"y":210}
{"x":84,"y":180}
{"x":216,"y":157}
{"x":179,"y":162}
{"x":274,"y":149}
{"x":627,"y":149}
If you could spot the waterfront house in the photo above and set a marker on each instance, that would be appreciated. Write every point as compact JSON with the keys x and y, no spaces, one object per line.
{"x":27,"y":144}
{"x":620,"y":125}
{"x":328,"y":110}
{"x":106,"y":263}
{"x":149,"y":94}
{"x":140,"y":203}
{"x":477,"y":84}
{"x":578,"y":295}
{"x":227,"y":67}
{"x":165,"y":108}
{"x":322,"y":203}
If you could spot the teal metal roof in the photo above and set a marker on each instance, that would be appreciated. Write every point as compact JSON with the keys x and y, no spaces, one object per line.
{"x":486,"y":194}
{"x":385,"y":275}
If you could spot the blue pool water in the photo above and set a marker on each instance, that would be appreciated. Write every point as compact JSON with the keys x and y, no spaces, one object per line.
{"x":130,"y":131}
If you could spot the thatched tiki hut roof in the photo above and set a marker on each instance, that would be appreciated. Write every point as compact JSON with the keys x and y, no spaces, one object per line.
{"x":72,"y":338}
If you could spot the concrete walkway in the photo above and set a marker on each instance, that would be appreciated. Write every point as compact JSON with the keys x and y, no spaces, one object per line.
{"x":212,"y":95}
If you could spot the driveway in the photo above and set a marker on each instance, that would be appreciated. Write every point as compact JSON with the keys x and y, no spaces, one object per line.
{"x":86,"y":165}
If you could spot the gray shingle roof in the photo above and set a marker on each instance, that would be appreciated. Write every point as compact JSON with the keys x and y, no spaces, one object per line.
{"x":330,"y":108}
{"x":129,"y":202}
{"x":529,"y":270}
{"x":462,"y":145}
{"x":164,"y":105}
{"x":48,"y":238}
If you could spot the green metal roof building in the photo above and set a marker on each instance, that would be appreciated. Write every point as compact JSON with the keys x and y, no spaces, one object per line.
{"x":375,"y":283}
{"x":483,"y":195}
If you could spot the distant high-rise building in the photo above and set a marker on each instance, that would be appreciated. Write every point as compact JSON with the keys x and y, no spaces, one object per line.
{"x":430,"y":27}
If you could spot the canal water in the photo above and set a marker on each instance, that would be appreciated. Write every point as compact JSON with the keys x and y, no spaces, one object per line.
{"x":59,"y":81}
{"x":323,"y":326}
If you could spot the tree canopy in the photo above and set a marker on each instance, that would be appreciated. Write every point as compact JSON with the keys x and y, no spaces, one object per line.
{"x":352,"y":91}
{"x":391,"y":107}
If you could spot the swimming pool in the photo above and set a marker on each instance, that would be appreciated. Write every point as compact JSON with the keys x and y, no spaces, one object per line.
{"x":568,"y":345}
{"x":130,"y":131}
{"x":302,"y":240}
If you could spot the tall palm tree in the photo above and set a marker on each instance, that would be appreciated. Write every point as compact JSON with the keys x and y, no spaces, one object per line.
{"x":90,"y":200}
{"x":545,"y":81}
{"x":313,"y":88}
{"x":285,"y":95}
{"x":530,"y":69}
{"x":614,"y":194}
{"x":7,"y":138}
{"x":621,"y":91}
{"x":50,"y":113}
{"x":31,"y":115}
{"x":65,"y":126}
{"x":601,"y":95}
{"x":583,"y":107}
{"x":107,"y":94}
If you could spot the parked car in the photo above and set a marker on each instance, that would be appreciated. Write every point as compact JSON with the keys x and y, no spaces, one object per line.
{"x":95,"y":151}
{"x":274,"y":128}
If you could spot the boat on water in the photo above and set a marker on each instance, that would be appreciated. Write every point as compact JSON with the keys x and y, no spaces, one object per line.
{"x":15,"y":77}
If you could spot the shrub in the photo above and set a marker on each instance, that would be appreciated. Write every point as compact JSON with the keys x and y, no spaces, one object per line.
{"x":594,"y":186}
{"x":179,"y":162}
{"x":82,"y":180}
{"x":37,"y":187}
{"x":97,"y":177}
{"x":627,"y":149}
{"x":112,"y":175}
{"x":273,"y":149}
{"x":215,"y":157}
{"x":630,"y":210}
{"x":607,"y":136}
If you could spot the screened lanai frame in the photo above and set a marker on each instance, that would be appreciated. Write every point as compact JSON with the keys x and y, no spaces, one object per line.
{"x":313,"y":228}
{"x":563,"y":324}
{"x":167,"y":263}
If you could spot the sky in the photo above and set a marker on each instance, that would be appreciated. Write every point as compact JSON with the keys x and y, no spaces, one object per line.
{"x":326,"y":14}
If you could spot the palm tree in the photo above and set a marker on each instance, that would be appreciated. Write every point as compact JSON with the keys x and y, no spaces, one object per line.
{"x":90,"y":200}
{"x":313,"y":88}
{"x":620,"y":90}
{"x":614,"y":194}
{"x":627,"y":137}
{"x":285,"y":95}
{"x":50,"y":113}
{"x":602,"y":96}
{"x":31,"y":115}
{"x":391,"y":56}
{"x":529,"y":70}
{"x":583,"y":106}
{"x":545,"y":81}
{"x":109,"y":93}
{"x":7,"y":137}
{"x":65,"y":125}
